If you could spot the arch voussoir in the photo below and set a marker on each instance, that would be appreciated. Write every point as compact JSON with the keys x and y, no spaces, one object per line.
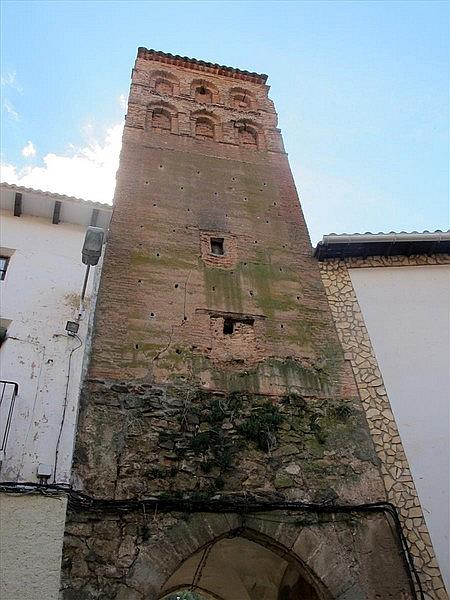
{"x":320,"y":550}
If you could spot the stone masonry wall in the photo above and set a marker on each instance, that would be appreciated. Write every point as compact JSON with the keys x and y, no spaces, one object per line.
{"x":358,"y":350}
{"x":166,"y":302}
{"x":146,"y":440}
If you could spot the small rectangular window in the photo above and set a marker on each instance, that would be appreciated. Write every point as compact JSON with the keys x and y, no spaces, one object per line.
{"x":217,"y":246}
{"x":3,"y":266}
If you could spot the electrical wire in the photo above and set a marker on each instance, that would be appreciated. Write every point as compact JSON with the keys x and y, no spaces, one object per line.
{"x":66,"y":393}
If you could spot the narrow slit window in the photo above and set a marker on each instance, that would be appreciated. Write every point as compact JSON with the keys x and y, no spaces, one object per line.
{"x":228,"y":326}
{"x":217,"y":246}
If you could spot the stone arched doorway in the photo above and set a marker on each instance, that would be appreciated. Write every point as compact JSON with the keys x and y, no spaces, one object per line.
{"x":243,"y":565}
{"x":229,"y":556}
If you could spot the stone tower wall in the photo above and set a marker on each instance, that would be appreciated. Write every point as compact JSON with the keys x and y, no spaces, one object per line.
{"x":212,"y":375}
{"x":163,"y":293}
{"x":161,"y":361}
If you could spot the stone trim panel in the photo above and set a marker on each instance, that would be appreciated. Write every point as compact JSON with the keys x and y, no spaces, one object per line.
{"x":358,"y":349}
{"x":415,"y":260}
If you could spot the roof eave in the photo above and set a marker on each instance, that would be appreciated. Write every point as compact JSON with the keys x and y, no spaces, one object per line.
{"x":391,"y":244}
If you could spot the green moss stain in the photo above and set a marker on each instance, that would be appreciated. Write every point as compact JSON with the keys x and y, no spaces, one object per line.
{"x":293,"y":374}
{"x":300,"y":332}
{"x":227,"y":287}
{"x":262,"y":280}
{"x":177,"y":259}
{"x":330,"y":363}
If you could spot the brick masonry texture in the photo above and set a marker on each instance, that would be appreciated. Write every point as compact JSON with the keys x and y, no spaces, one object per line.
{"x":213,"y":374}
{"x":358,"y":349}
{"x":173,"y":191}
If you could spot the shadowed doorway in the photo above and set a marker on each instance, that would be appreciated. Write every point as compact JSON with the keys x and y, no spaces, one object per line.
{"x":241,"y":568}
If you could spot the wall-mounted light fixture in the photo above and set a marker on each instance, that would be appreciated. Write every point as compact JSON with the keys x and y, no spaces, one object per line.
{"x":92,"y":246}
{"x":91,"y":252}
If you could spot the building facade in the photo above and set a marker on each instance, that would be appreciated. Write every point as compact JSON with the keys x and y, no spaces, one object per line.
{"x":390,"y":293}
{"x":222,"y":445}
{"x":40,"y":364}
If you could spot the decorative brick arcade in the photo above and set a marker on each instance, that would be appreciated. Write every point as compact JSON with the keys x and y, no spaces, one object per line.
{"x":222,"y":445}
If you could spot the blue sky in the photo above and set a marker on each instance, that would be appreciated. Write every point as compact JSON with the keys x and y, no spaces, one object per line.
{"x":361,"y":90}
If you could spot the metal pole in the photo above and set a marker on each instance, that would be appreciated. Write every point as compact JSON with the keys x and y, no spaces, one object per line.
{"x":85,"y":282}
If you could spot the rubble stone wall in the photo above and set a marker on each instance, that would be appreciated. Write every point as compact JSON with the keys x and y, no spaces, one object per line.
{"x":139,"y":440}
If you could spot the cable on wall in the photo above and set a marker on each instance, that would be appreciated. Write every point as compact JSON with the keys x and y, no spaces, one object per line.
{"x":66,"y":393}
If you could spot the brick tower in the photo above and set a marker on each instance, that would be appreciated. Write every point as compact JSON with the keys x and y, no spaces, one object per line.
{"x":222,"y":446}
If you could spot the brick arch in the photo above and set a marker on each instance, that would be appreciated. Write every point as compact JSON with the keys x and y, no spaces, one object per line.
{"x":241,"y":98}
{"x":164,"y":83}
{"x":211,"y":92}
{"x":317,"y":557}
{"x":206,"y":125}
{"x":249,"y":134}
{"x":161,"y":116}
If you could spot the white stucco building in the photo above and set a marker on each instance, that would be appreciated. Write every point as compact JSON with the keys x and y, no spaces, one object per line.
{"x":40,"y":370}
{"x":400,"y":284}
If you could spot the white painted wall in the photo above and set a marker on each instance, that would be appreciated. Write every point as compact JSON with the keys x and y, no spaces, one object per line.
{"x":30,"y":546}
{"x":40,"y":293}
{"x":407,"y":314}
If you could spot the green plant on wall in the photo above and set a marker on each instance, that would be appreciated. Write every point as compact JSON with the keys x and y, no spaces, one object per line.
{"x":262,"y":425}
{"x":214,"y":448}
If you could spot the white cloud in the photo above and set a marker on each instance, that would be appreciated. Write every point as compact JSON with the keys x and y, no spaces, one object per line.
{"x":9,"y":108}
{"x":9,"y":79}
{"x":29,"y":150}
{"x":123,"y":101}
{"x":88,"y":172}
